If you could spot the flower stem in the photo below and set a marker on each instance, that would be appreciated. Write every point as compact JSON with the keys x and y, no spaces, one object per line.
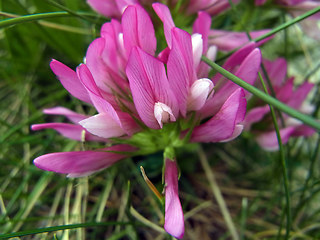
{"x":35,"y":17}
{"x":283,"y":164}
{"x":287,"y":24}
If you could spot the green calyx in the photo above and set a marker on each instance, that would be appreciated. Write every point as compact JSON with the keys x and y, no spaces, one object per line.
{"x":172,"y":135}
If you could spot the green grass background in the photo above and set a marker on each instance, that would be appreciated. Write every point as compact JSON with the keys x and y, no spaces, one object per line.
{"x":116,"y":203}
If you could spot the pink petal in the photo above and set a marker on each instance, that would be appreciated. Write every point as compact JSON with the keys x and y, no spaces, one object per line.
{"x":128,"y":124}
{"x":284,"y":93}
{"x":78,"y":163}
{"x":237,"y":131}
{"x":200,"y":91}
{"x":197,"y":48}
{"x":202,"y":25}
{"x":70,"y":81}
{"x":181,"y":71}
{"x":71,"y":115}
{"x":260,"y":2}
{"x":114,"y":54}
{"x":102,"y":125}
{"x":138,"y":30}
{"x":123,"y":4}
{"x":299,"y":95}
{"x":102,"y":105}
{"x":219,"y":6}
{"x":247,"y":71}
{"x":235,"y":60}
{"x":303,"y":130}
{"x":107,"y":8}
{"x":255,"y":115}
{"x":149,"y":84}
{"x":174,"y":220}
{"x":164,"y":14}
{"x":101,"y":100}
{"x":87,"y":80}
{"x":269,"y":140}
{"x":277,"y":70}
{"x":74,"y":132}
{"x":99,"y":50}
{"x":222,"y":125}
{"x":164,"y":55}
{"x":227,"y":41}
{"x":163,"y":113}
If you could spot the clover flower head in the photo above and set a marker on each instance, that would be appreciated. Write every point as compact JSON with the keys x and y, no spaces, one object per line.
{"x":147,"y":102}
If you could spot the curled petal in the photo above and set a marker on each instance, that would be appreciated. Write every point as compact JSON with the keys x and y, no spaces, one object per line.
{"x":70,"y":81}
{"x":200,"y":91}
{"x":174,"y":220}
{"x":222,"y":125}
{"x":83,"y":162}
{"x":74,"y":132}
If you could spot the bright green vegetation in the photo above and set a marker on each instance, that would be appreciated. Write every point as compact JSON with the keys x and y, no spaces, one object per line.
{"x":245,"y":193}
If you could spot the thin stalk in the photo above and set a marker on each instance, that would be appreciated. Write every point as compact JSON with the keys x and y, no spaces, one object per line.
{"x":66,"y":209}
{"x":243,"y":219}
{"x":71,"y":12}
{"x":283,"y":164}
{"x":218,"y":195}
{"x":263,"y":96}
{"x":53,"y":211}
{"x":288,"y":24}
{"x":308,"y":179}
{"x":31,"y":201}
{"x":59,"y":228}
{"x":35,"y":17}
{"x":278,"y":29}
{"x":145,"y":221}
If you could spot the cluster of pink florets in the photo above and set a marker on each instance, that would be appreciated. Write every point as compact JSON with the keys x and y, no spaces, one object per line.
{"x":142,"y":93}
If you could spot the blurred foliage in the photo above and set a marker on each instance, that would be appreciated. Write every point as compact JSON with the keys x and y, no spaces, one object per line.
{"x":249,"y":178}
